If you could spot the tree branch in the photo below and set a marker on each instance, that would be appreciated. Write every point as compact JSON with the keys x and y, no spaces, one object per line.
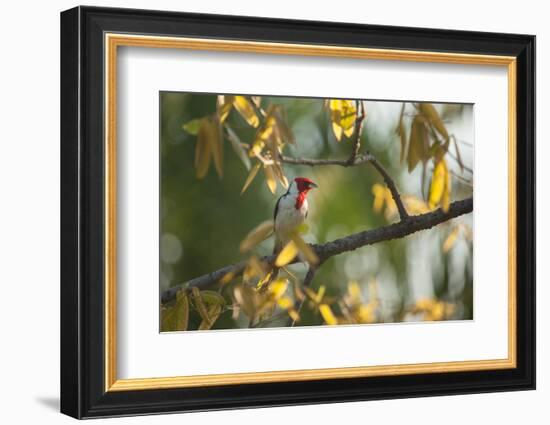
{"x":307,"y":282}
{"x":357,"y":160}
{"x":360,"y":108}
{"x":349,"y":243}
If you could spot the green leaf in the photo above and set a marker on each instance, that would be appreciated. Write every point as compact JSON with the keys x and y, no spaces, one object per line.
{"x":176,"y":318}
{"x":203,"y":150}
{"x":192,"y":127}
{"x":212,"y":298}
{"x":213,"y":313}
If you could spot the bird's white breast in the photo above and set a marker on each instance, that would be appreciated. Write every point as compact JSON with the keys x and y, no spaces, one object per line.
{"x":288,"y":216}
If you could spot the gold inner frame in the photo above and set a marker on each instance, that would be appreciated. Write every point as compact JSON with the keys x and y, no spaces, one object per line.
{"x":113,"y":41}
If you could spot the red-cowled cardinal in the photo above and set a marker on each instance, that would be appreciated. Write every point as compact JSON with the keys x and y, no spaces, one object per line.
{"x":291,"y":211}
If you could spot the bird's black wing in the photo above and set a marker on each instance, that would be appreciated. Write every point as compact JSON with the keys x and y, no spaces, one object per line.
{"x":277,"y":207}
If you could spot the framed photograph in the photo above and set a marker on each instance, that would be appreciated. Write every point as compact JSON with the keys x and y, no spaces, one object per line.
{"x":261,"y":212}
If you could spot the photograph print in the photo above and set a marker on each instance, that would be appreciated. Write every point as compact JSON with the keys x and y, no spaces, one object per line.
{"x":294,"y":211}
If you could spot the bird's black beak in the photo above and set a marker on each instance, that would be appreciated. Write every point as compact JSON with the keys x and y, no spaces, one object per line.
{"x":313,"y":185}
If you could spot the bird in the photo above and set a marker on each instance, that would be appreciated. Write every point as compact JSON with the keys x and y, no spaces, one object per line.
{"x":291,"y":211}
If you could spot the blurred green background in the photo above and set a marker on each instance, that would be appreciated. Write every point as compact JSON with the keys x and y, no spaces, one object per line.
{"x":203,"y":221}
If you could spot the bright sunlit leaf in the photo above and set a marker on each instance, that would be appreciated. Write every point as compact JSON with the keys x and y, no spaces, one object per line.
{"x":354,"y":291}
{"x":278,"y":288}
{"x":245,"y":108}
{"x":287,"y":254}
{"x":285,"y":303}
{"x":343,"y":114}
{"x":328,"y":315}
{"x":440,"y":188}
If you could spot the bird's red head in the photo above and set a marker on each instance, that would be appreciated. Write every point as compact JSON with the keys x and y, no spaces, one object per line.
{"x":304,"y":184}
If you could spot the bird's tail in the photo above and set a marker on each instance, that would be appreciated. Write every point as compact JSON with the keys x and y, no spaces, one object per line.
{"x":278,"y":246}
{"x":275,"y":270}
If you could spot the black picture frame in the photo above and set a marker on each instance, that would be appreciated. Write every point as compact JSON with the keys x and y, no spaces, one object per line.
{"x":82,"y":215}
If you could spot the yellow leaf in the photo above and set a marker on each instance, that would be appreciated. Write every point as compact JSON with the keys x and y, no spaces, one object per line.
{"x":320,"y":294}
{"x":328,"y":315}
{"x":251,"y":176}
{"x":354,"y":291}
{"x":349,"y":132}
{"x":223,"y":106}
{"x":379,"y":193}
{"x":270,"y":178}
{"x":337,"y":131}
{"x":440,"y":188}
{"x":343,"y":114}
{"x":366,"y":313}
{"x":433,"y":117}
{"x":278,"y":288}
{"x":243,"y":107}
{"x":257,"y":235}
{"x":305,"y":249}
{"x":203,"y":150}
{"x":285,"y":303}
{"x":414,"y":205}
{"x":287,"y":254}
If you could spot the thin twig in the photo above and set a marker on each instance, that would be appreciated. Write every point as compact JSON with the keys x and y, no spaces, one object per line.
{"x":403,"y":215}
{"x":361,"y":159}
{"x":358,"y":130}
{"x":307,"y":282}
{"x":349,"y":243}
